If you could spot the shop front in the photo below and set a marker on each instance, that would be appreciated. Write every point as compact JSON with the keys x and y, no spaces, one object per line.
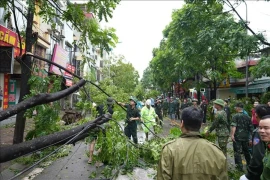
{"x":9,"y":68}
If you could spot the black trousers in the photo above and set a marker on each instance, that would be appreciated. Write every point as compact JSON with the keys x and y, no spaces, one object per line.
{"x":237,"y":147}
{"x":131,"y":130}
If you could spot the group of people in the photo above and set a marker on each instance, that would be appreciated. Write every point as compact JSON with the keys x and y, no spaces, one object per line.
{"x":147,"y":115}
{"x":191,"y":157}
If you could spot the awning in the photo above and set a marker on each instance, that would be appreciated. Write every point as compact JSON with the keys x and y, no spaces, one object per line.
{"x":252,"y":88}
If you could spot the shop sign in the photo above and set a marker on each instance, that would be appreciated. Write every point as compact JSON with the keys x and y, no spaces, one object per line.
{"x":71,"y":69}
{"x":12,"y":93}
{"x":5,"y":93}
{"x":10,"y":38}
{"x":68,"y":82}
{"x":60,"y":56}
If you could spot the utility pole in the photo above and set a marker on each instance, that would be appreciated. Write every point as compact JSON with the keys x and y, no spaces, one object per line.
{"x":247,"y":58}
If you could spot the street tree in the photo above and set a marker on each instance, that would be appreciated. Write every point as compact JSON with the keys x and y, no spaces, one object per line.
{"x":204,"y":42}
{"x":73,"y":13}
{"x":147,"y":80}
{"x":122,"y":74}
{"x":163,"y":66}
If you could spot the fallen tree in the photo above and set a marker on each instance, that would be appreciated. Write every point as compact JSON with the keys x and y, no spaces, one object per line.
{"x":39,"y":99}
{"x":8,"y":153}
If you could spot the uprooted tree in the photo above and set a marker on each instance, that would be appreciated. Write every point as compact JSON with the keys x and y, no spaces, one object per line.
{"x":89,"y":29}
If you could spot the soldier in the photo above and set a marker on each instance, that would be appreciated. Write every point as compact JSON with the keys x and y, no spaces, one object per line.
{"x":177,"y":109}
{"x":165,"y":106}
{"x":133,"y":115}
{"x":241,"y":130}
{"x":159,"y":111}
{"x":204,"y":109}
{"x":190,"y":156}
{"x":255,"y":167}
{"x":227,"y":109}
{"x":220,"y":124}
{"x":195,"y":103}
{"x":172,"y":109}
{"x":264,"y":130}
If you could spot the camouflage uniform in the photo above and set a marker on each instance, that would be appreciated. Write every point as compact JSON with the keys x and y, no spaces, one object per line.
{"x":266,"y":164}
{"x":242,"y":137}
{"x":165,"y":106}
{"x":220,"y":124}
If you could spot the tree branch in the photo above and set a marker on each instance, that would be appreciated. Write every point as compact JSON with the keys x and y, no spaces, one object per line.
{"x":50,"y":62}
{"x":246,"y":25}
{"x":8,"y":153}
{"x":39,"y":99}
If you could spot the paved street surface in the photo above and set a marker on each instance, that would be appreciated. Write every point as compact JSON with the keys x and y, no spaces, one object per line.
{"x":75,"y":166}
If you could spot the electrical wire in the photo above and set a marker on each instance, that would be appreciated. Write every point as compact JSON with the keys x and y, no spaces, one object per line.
{"x":79,"y":133}
{"x":68,"y":160}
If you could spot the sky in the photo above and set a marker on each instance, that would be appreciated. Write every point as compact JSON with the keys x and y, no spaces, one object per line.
{"x":139,"y":25}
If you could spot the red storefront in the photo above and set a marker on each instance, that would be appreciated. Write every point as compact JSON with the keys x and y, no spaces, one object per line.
{"x":9,"y":49}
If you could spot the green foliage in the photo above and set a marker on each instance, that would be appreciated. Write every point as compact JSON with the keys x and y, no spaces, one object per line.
{"x":265,"y":97}
{"x":31,"y":159}
{"x":175,"y":133}
{"x":148,"y":79}
{"x":262,"y":68}
{"x":248,"y":105}
{"x":234,"y":174}
{"x":211,"y":137}
{"x":46,"y":116}
{"x":122,"y":74}
{"x":139,"y":92}
{"x":152,"y":94}
{"x":203,"y":40}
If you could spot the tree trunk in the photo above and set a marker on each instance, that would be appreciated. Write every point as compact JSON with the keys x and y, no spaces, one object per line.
{"x":39,"y":99}
{"x":26,"y":67}
{"x":215,"y":89}
{"x":8,"y":153}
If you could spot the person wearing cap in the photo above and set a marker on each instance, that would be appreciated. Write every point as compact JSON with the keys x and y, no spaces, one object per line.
{"x":220,"y":124}
{"x":255,"y":167}
{"x":148,"y":117}
{"x":264,"y":130}
{"x":190,"y":157}
{"x":241,"y":130}
{"x":195,"y":102}
{"x":132,"y":116}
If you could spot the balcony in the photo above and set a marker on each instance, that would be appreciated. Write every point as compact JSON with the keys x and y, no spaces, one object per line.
{"x":41,"y":34}
{"x":240,"y":81}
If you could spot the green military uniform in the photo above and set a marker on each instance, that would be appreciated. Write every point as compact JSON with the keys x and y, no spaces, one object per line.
{"x":131,"y":127}
{"x":220,"y":124}
{"x":172,"y":109}
{"x":266,"y":164}
{"x":165,"y":106}
{"x":158,"y":110}
{"x":242,"y":137}
{"x":191,"y":157}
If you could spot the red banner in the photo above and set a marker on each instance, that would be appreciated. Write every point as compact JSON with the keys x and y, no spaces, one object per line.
{"x":68,"y":82}
{"x":5,"y":93}
{"x":70,"y":68}
{"x":10,"y":38}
